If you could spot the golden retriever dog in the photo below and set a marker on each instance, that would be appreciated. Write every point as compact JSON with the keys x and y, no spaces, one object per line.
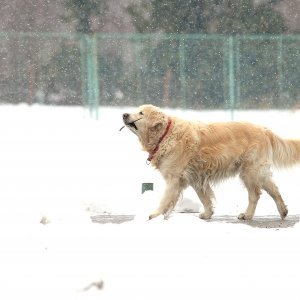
{"x":198,"y":155}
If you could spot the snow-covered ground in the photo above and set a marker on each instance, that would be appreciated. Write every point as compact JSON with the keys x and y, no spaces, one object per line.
{"x":59,"y":165}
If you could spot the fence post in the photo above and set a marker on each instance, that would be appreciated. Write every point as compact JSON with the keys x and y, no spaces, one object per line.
{"x":231,"y":77}
{"x":89,"y":63}
{"x":182,"y":72}
{"x":238,"y":73}
{"x":279,"y":66}
{"x":137,"y":49}
{"x":83,"y":50}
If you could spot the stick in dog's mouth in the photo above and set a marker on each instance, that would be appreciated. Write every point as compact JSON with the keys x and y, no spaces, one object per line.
{"x":131,"y":124}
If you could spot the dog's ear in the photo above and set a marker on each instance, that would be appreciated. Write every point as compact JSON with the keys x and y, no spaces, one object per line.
{"x":156,"y":121}
{"x":156,"y":126}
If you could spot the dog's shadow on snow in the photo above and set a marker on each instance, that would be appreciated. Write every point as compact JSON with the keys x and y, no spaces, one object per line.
{"x":260,"y":221}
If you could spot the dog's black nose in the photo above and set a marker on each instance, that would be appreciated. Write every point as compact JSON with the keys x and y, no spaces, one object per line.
{"x":125,"y":117}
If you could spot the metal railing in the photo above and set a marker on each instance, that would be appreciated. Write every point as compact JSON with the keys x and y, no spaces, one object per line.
{"x":188,"y":71}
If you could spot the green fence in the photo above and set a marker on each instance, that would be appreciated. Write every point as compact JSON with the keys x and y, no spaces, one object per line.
{"x":188,"y":71}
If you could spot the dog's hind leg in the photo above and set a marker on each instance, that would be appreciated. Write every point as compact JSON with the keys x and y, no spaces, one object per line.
{"x":253,"y":196}
{"x":251,"y":180}
{"x":206,"y":196}
{"x":270,"y":187}
{"x":171,"y":195}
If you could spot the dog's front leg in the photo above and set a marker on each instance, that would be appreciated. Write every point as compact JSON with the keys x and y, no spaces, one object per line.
{"x":171,"y":195}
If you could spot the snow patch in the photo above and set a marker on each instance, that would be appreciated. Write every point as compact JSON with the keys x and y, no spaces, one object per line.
{"x":59,"y":165}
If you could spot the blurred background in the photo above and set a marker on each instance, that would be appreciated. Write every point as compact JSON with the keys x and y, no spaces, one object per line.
{"x":196,"y":54}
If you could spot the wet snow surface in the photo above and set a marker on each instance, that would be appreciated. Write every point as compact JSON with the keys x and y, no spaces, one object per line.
{"x":59,"y":166}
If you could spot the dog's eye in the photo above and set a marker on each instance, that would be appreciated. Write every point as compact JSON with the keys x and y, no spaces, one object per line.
{"x":141,"y":113}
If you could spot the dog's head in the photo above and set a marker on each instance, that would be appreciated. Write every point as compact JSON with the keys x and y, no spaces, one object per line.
{"x":148,"y":122}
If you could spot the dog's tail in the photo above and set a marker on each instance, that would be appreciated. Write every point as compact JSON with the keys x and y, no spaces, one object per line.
{"x":286,"y":152}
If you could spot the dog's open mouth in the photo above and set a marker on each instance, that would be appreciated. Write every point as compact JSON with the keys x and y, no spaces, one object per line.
{"x":131,"y":124}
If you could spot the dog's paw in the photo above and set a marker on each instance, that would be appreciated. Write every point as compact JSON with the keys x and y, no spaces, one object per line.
{"x":154,"y":215}
{"x":205,"y":216}
{"x":283,"y":213}
{"x":244,"y":217}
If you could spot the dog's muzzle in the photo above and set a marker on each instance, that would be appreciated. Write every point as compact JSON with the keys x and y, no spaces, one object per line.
{"x":130,"y":124}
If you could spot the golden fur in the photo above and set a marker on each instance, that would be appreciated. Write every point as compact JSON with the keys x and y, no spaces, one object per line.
{"x":198,"y":155}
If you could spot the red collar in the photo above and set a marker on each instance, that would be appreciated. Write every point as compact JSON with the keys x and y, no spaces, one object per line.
{"x":151,"y":154}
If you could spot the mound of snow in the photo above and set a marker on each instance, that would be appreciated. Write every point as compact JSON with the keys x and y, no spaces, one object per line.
{"x":187,"y":205}
{"x":148,"y":202}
